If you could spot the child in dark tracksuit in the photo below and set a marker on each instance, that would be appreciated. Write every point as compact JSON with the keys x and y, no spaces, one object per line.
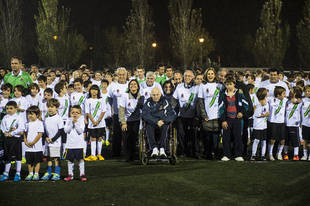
{"x":232,"y":109}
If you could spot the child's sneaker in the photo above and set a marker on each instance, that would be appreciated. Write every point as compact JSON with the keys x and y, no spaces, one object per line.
{"x":83,"y":178}
{"x":55,"y":177}
{"x":304,"y":158}
{"x":91,"y":158}
{"x":296,"y":158}
{"x":285,"y":157}
{"x":252,"y":158}
{"x":35,"y":178}
{"x":69,"y":178}
{"x":107,"y":143}
{"x":4,"y":177}
{"x":17,"y":178}
{"x":100,"y":157}
{"x":46,"y":176}
{"x":29,"y":177}
{"x":239,"y":159}
{"x":279,"y":157}
{"x":225,"y":159}
{"x":271,"y":158}
{"x":24,"y":160}
{"x":263,"y":158}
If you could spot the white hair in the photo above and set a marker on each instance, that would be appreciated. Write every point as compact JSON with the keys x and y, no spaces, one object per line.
{"x":120,"y":68}
{"x":150,"y":74}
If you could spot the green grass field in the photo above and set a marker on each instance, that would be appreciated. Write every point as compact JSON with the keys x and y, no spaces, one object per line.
{"x":190,"y":182}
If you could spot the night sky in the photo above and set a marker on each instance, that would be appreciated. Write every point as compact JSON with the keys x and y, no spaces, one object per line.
{"x":230,"y":22}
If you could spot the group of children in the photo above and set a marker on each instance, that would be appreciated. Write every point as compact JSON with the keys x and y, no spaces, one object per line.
{"x":53,"y":123}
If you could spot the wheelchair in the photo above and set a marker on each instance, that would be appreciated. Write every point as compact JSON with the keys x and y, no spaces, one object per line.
{"x":171,"y":147}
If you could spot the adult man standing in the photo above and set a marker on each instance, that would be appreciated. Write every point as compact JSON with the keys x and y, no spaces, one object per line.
{"x":116,"y":90}
{"x":273,"y":82}
{"x":146,"y":87}
{"x":17,"y":76}
{"x":161,"y":77}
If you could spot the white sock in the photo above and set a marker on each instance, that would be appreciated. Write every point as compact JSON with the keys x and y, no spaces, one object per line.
{"x":263,"y":147}
{"x":30,"y":173}
{"x":285,"y":149}
{"x":24,"y":147}
{"x":93,"y":148}
{"x":7,"y":168}
{"x":99,"y":147}
{"x":296,"y":151}
{"x":82,"y":168}
{"x":70,"y":168}
{"x":18,"y":167}
{"x":254,"y":146}
{"x":85,"y":148}
{"x":305,"y":152}
{"x":270,"y":148}
{"x":63,"y":149}
{"x":36,"y":173}
{"x":280,"y":149}
{"x":249,"y":133}
{"x":107,"y":132}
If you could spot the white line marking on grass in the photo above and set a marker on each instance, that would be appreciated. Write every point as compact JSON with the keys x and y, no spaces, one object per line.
{"x":298,"y":179}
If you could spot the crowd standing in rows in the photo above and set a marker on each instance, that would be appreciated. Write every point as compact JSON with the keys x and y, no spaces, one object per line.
{"x":57,"y":113}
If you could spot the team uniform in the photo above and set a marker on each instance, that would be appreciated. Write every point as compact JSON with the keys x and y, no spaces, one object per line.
{"x":63,"y":112}
{"x":95,"y":107}
{"x":305,"y":117}
{"x":53,"y":125}
{"x":276,"y":120}
{"x":78,"y":98}
{"x":34,"y":101}
{"x":260,"y":128}
{"x":292,"y":122}
{"x":107,"y":118}
{"x":187,"y":96}
{"x":34,"y":154}
{"x":75,"y":145}
{"x":12,"y":145}
{"x":271,"y":86}
{"x":116,"y":90}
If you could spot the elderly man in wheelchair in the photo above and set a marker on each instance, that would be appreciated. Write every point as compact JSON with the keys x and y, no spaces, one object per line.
{"x":157,"y":113}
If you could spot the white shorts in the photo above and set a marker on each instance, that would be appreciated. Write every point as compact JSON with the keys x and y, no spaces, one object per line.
{"x":53,"y":152}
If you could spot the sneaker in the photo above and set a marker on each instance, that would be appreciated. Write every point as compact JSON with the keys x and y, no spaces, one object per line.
{"x":100,"y":157}
{"x":225,"y":159}
{"x":4,"y":177}
{"x":55,"y":177}
{"x":46,"y":176}
{"x":155,"y":152}
{"x":252,"y":158}
{"x":24,"y":160}
{"x":17,"y":178}
{"x":83,"y":178}
{"x":271,"y":158}
{"x":107,"y":143}
{"x":162,"y":152}
{"x":285,"y":157}
{"x":91,"y":158}
{"x":239,"y":159}
{"x":279,"y":157}
{"x":29,"y":177}
{"x":304,"y":158}
{"x":69,"y":178}
{"x":36,"y":178}
{"x":309,"y":158}
{"x":296,"y":158}
{"x":263,"y":158}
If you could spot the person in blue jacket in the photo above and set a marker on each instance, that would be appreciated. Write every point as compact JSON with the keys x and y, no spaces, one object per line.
{"x":157,"y":112}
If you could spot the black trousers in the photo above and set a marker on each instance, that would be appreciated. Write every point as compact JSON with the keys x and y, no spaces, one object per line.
{"x":233,"y":130}
{"x":211,"y":142}
{"x":188,"y":137}
{"x":245,"y":137}
{"x":130,"y":138}
{"x":117,"y":137}
{"x":292,"y":138}
{"x":150,"y":135}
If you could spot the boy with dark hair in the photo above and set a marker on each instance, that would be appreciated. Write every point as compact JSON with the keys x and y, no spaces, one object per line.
{"x":232,"y":107}
{"x":12,"y":126}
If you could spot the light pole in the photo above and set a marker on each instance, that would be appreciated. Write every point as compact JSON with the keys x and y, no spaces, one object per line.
{"x":154,"y":46}
{"x":201,"y":40}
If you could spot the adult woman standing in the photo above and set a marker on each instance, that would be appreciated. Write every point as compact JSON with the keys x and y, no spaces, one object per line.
{"x":130,"y":106}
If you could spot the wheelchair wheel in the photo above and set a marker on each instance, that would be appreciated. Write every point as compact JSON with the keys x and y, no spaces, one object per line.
{"x":144,"y":159}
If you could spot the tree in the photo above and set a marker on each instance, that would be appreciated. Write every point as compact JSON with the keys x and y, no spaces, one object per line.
{"x":303,"y":36}
{"x":185,"y":30}
{"x":139,"y":34}
{"x":58,"y":44}
{"x":272,"y":39}
{"x":11,"y":29}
